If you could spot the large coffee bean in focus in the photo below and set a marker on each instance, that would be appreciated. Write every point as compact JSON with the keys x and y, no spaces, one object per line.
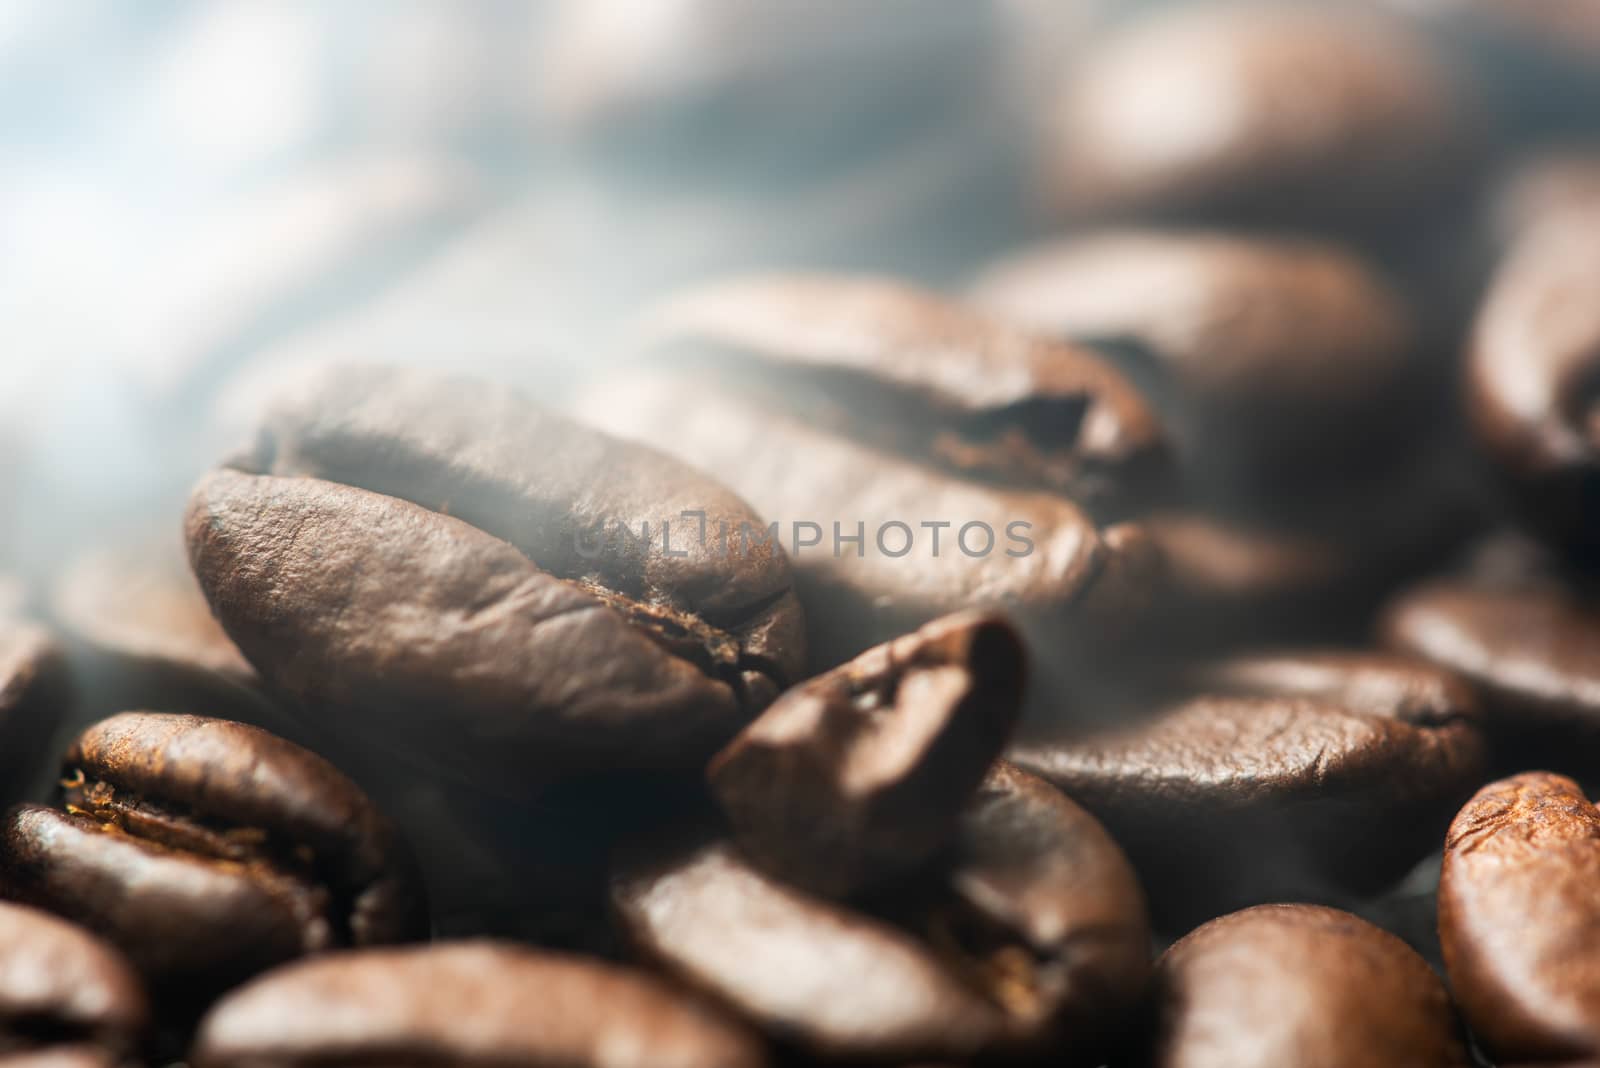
{"x":1533,"y":371}
{"x":65,"y":997}
{"x":940,"y":460}
{"x":1258,"y":112}
{"x":208,"y":851}
{"x":1518,"y":919}
{"x":861,"y":773}
{"x":1313,"y":775}
{"x":1304,"y":985}
{"x":1029,"y":935}
{"x":427,"y":564}
{"x":467,"y":1003}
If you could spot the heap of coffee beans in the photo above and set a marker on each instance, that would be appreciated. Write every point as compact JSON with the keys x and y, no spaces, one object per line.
{"x":1178,"y":647}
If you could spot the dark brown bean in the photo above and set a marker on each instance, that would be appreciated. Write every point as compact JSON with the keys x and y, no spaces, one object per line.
{"x":1256,"y":111}
{"x":925,"y":377}
{"x":869,"y":410}
{"x":1304,"y":985}
{"x":1526,"y":637}
{"x":861,"y":773}
{"x":1031,"y":935}
{"x":471,"y":1004}
{"x":1259,"y":350}
{"x":1295,"y":775}
{"x":416,"y":562}
{"x":208,"y":850}
{"x":1532,"y":372}
{"x":1518,"y":918}
{"x":65,"y":997}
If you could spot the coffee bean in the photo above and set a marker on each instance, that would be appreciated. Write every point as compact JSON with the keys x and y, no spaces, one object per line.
{"x":34,"y":693}
{"x":467,"y":1003}
{"x":1532,"y":372}
{"x":1292,"y":775}
{"x":1518,"y":916}
{"x":861,"y":773}
{"x":208,"y":851}
{"x":1525,"y":636}
{"x":872,"y":411}
{"x":357,"y":559}
{"x":1297,"y":984}
{"x":1258,"y":112}
{"x":1031,"y":934}
{"x":916,"y":374}
{"x":65,"y":997}
{"x":1258,"y":350}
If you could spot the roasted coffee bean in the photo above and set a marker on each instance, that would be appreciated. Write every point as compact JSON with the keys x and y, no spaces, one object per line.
{"x":1518,"y":918}
{"x":1532,"y":373}
{"x":1282,"y":776}
{"x":145,"y":637}
{"x":913,"y":373}
{"x":1030,"y":934}
{"x":357,"y":559}
{"x":65,"y":997}
{"x":208,"y":851}
{"x":1258,"y":112}
{"x":467,"y":1003}
{"x":1527,"y":637}
{"x":857,"y":409}
{"x":34,"y":692}
{"x":1258,"y":350}
{"x":861,"y":773}
{"x":1304,"y":985}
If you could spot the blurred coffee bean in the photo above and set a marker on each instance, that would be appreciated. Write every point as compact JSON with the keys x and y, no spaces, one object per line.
{"x":1031,"y":934}
{"x":471,"y":1004}
{"x":34,"y":694}
{"x":1278,"y":776}
{"x":1304,"y":985}
{"x":1292,"y":114}
{"x":357,"y":559}
{"x":1527,"y":637}
{"x":774,"y":85}
{"x":861,"y":773}
{"x":65,"y":997}
{"x":1259,"y":351}
{"x":1532,"y":371}
{"x":144,"y":637}
{"x":1545,"y":186}
{"x":931,"y":460}
{"x":912,"y":373}
{"x":1518,"y":918}
{"x":208,"y":851}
